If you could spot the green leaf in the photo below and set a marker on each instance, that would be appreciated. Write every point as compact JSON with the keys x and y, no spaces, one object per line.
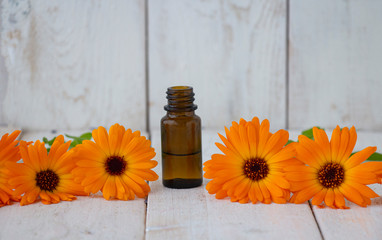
{"x":86,"y":136}
{"x":75,"y":141}
{"x":309,"y":132}
{"x":49,"y":142}
{"x":72,"y":137}
{"x":78,"y":140}
{"x":373,"y":157}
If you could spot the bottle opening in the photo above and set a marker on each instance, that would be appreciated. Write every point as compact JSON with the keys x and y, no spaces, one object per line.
{"x":180,"y":98}
{"x":180,"y":88}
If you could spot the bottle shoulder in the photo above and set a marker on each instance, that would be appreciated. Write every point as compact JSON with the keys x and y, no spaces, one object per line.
{"x":180,"y":118}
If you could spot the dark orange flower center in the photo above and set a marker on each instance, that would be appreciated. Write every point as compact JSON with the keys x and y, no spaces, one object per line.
{"x":47,"y":180}
{"x":256,"y":169}
{"x":115,"y":165}
{"x":331,"y":175}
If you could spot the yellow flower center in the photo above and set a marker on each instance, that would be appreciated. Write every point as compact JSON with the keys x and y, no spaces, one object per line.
{"x":256,"y":169}
{"x":47,"y":180}
{"x":331,"y":175}
{"x":115,"y":165}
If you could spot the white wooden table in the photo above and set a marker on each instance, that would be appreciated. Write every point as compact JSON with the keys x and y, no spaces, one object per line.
{"x":190,"y":213}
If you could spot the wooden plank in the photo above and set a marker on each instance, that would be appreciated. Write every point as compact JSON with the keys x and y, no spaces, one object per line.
{"x":74,"y":65}
{"x":195,"y":214}
{"x":231,"y":52}
{"x":85,"y":218}
{"x":335,"y":76}
{"x":3,"y":76}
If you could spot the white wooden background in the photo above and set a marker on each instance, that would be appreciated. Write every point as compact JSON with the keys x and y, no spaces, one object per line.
{"x":73,"y":65}
{"x":78,"y":64}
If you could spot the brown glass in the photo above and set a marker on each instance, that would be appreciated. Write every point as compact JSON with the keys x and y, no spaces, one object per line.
{"x":181,"y":140}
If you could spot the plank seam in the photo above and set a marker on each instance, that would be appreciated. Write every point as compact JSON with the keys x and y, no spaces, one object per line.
{"x":147,"y":91}
{"x":315,"y":219}
{"x":147,"y":75}
{"x":287,"y":65}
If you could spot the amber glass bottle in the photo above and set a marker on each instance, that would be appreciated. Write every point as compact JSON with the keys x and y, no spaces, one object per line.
{"x":181,"y":140}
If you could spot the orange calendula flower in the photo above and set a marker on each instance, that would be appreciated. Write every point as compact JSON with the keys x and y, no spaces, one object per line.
{"x":118,"y":163}
{"x":251,"y":167}
{"x":44,"y":175}
{"x":9,"y":152}
{"x":330,"y":174}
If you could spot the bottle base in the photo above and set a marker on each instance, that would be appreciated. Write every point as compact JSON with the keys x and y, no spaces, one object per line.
{"x":180,"y":183}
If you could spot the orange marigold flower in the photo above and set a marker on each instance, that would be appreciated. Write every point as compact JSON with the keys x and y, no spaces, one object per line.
{"x":9,"y":152}
{"x":117,"y":163}
{"x":251,"y":167}
{"x":330,"y":174}
{"x":45,"y":175}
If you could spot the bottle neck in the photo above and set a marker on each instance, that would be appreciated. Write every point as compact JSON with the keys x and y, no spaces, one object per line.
{"x":180,"y":114}
{"x":180,"y":99}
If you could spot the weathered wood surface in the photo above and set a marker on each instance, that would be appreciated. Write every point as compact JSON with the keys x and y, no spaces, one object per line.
{"x":74,"y":65}
{"x":334,"y":59}
{"x":188,"y":214}
{"x":232,"y":52}
{"x":195,"y":214}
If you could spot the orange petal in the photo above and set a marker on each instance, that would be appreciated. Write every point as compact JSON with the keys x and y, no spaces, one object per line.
{"x":297,"y":176}
{"x":109,"y":189}
{"x":339,"y":200}
{"x":252,"y":139}
{"x":335,"y":142}
{"x":241,"y":191}
{"x":319,"y":197}
{"x":351,"y":144}
{"x":307,"y":193}
{"x":275,"y":143}
{"x":322,"y":140}
{"x":281,"y":182}
{"x":364,"y":190}
{"x":221,"y":194}
{"x":263,"y":136}
{"x":359,"y":157}
{"x":305,"y":156}
{"x":312,"y":147}
{"x":344,"y":142}
{"x":264,"y":191}
{"x":329,"y":198}
{"x":252,"y":194}
{"x":351,"y":194}
{"x":274,"y":189}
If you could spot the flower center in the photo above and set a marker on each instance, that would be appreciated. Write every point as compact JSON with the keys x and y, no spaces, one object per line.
{"x":47,"y":180}
{"x":115,"y":165}
{"x":331,"y":175}
{"x":256,"y":169}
